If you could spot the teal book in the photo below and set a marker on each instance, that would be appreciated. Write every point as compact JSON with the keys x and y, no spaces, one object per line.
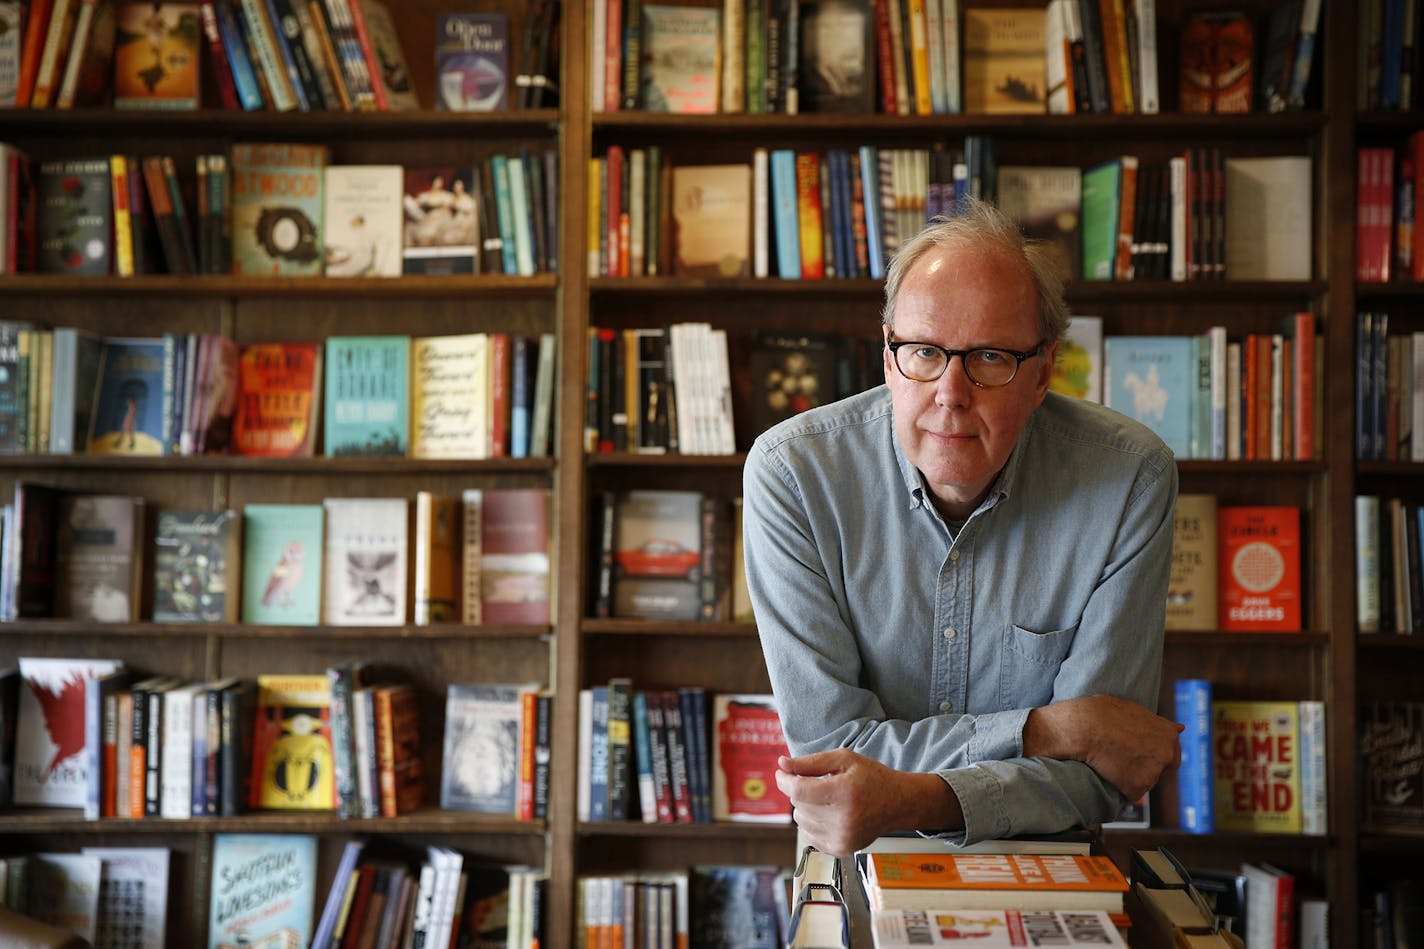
{"x":1153,"y":379}
{"x":1102,"y":189}
{"x":367,"y":395}
{"x":282,"y":564}
{"x":264,"y":890}
{"x":278,"y":205}
{"x":127,"y":414}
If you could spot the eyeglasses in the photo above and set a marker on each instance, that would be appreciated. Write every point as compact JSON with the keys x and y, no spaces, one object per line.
{"x":986,"y":367}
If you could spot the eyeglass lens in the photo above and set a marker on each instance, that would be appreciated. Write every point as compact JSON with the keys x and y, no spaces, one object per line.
{"x":987,"y":367}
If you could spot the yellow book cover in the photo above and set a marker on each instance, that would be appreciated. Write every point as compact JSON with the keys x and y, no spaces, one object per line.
{"x":437,"y":559}
{"x":450,"y":396}
{"x":1256,"y":751}
{"x":291,"y":747}
{"x":156,"y":56}
{"x":1191,"y":589}
{"x":711,"y":210}
{"x":808,"y":215}
{"x":1005,"y":61}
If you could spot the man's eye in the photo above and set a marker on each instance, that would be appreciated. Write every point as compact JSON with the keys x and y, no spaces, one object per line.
{"x":990,"y":356}
{"x":927,"y":352}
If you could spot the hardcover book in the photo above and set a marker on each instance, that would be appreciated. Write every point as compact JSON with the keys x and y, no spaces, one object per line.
{"x":835,"y":71}
{"x":1004,"y":61}
{"x":1256,"y":764}
{"x":367,"y":393}
{"x":398,"y":757}
{"x":1195,"y":790}
{"x":263,"y":892}
{"x":1268,"y":218}
{"x":481,"y":752}
{"x":391,"y":70}
{"x":281,"y":559}
{"x":277,"y":209}
{"x":1259,"y":568}
{"x":279,"y":393}
{"x":681,"y":59}
{"x":450,"y":396}
{"x":133,"y":898}
{"x":992,"y":929}
{"x":1191,"y":589}
{"x":1152,"y":379}
{"x":656,"y":555}
{"x":1216,"y":64}
{"x":436,"y":559}
{"x":791,"y":372}
{"x":365,"y":561}
{"x":76,"y":217}
{"x":196,"y":564}
{"x":127,"y":417}
{"x":1078,"y":370}
{"x":746,"y":741}
{"x":711,"y":211}
{"x":292,"y":758}
{"x":514,"y":555}
{"x":472,"y":62}
{"x":156,"y":64}
{"x":363,"y":220}
{"x":735,"y":906}
{"x":50,"y":761}
{"x":1044,"y":201}
{"x":442,"y":216}
{"x":99,"y":558}
{"x":1392,"y":792}
{"x":993,"y":881}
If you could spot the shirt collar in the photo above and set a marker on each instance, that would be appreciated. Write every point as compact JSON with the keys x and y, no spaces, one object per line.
{"x":1003,"y":485}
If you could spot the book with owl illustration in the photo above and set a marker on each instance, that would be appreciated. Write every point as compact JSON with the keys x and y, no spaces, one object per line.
{"x":292,"y":757}
{"x":50,"y":763}
{"x":482,"y":743}
{"x":281,"y":559}
{"x":263,"y":891}
{"x":365,"y":561}
{"x":277,"y":209}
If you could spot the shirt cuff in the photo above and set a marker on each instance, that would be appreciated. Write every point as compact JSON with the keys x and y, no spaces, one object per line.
{"x":981,"y":800}
{"x":998,"y":736}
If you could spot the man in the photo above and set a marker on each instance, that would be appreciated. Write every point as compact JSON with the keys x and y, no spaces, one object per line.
{"x":960,"y":579}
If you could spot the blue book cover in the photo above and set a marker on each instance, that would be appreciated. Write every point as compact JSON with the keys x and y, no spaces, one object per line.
{"x":482,"y":746}
{"x":264,"y":890}
{"x":127,"y":418}
{"x":282,"y":561}
{"x":1194,"y":778}
{"x":783,"y":219}
{"x":1153,"y":379}
{"x":643,"y":759}
{"x":521,"y":395}
{"x":504,"y":213}
{"x":870,"y":186}
{"x":244,"y":78}
{"x":598,"y":757}
{"x":367,"y":395}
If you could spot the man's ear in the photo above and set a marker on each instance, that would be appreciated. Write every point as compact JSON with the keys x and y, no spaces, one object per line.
{"x":885,"y":350}
{"x":1047,"y":361}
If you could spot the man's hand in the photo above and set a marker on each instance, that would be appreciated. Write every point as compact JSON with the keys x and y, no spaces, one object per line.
{"x":844,"y":800}
{"x":1126,"y":744}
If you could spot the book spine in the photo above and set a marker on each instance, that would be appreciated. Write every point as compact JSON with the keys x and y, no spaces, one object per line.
{"x":223,"y":70}
{"x":755,"y":60}
{"x":734,"y":40}
{"x":36,"y":31}
{"x":123,"y":222}
{"x":153,"y":759}
{"x":300,"y":66}
{"x":674,"y":731}
{"x":138,"y":753}
{"x":264,"y":44}
{"x":619,"y":748}
{"x":1115,"y":56}
{"x":884,"y":57}
{"x":692,"y":702}
{"x":524,"y":779}
{"x":1312,"y":768}
{"x":57,"y":37}
{"x":1089,"y":16}
{"x":808,"y":215}
{"x":357,"y":18}
{"x":244,"y":78}
{"x":83,"y":26}
{"x":643,"y":758}
{"x":1195,"y":786}
{"x":543,"y":749}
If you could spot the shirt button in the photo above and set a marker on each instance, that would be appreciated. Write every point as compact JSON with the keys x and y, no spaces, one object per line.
{"x":954,"y":556}
{"x":949,"y":632}
{"x":944,"y":706}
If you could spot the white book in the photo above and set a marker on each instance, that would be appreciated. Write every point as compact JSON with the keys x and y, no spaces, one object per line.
{"x":585,"y":751}
{"x":450,"y":396}
{"x":50,"y":772}
{"x":1146,"y":59}
{"x":448,"y":864}
{"x":1313,"y":819}
{"x":597,"y":53}
{"x":1278,"y":396}
{"x":1233,"y":401}
{"x":363,"y":734}
{"x":365,"y":561}
{"x":934,"y":50}
{"x":685,"y":393}
{"x":1268,"y":218}
{"x":133,"y":898}
{"x":364,"y":220}
{"x":761,"y":213}
{"x":1177,"y":176}
{"x":722,"y":393}
{"x":1058,"y":69}
{"x":523,"y":225}
{"x":637,"y":211}
{"x":175,"y":794}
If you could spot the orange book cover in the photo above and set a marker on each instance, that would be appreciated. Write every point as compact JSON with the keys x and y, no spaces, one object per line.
{"x":524,"y":790}
{"x":1261,"y":399}
{"x":1115,"y":55}
{"x":808,"y":215}
{"x":399,"y":773}
{"x":1127,"y":218}
{"x":950,"y":880}
{"x":1259,"y":568}
{"x":1256,"y":766}
{"x":279,"y":386}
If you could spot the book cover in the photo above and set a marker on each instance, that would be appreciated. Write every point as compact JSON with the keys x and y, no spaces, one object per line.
{"x":398,"y":758}
{"x":1314,"y":781}
{"x":441,"y":225}
{"x":835,"y":68}
{"x":281,"y":559}
{"x":711,"y":212}
{"x":76,"y":215}
{"x":656,"y":557}
{"x":366,"y":398}
{"x":1078,"y":370}
{"x":1259,"y":585}
{"x":746,"y":740}
{"x":196,"y":564}
{"x":99,"y":558}
{"x":277,"y":209}
{"x":1268,"y":218}
{"x":681,"y":59}
{"x":791,"y":372}
{"x":11,"y":36}
{"x":481,"y":749}
{"x":1099,"y":212}
{"x":1392,"y":790}
{"x":991,"y":929}
{"x":514,"y":556}
{"x":1004,"y":61}
{"x":64,"y":891}
{"x":394,"y":75}
{"x":133,"y":897}
{"x":263,"y":890}
{"x":472,"y":62}
{"x":365,"y":560}
{"x":1044,"y":201}
{"x":436,"y":559}
{"x":1152,"y":379}
{"x":51,"y":767}
{"x":735,"y":906}
{"x":127,"y":416}
{"x":1191,"y":589}
{"x":1195,"y":791}
{"x":292,"y":757}
{"x":1256,"y":766}
{"x":450,"y":396}
{"x":993,"y":881}
{"x":156,"y":63}
{"x":279,"y":393}
{"x":363,"y":216}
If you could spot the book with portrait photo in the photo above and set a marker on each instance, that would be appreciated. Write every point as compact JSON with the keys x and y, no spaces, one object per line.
{"x":442,"y":221}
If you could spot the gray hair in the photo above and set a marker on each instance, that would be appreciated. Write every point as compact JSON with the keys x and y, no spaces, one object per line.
{"x":978,"y":222}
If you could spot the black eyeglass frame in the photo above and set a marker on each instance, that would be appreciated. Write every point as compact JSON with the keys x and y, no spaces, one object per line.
{"x":894,"y":345}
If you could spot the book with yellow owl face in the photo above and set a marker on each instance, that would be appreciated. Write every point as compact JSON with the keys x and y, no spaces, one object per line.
{"x":292,"y":762}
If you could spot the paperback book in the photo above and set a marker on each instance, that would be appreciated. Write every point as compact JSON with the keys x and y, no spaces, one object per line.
{"x":50,"y":762}
{"x":263,"y":891}
{"x":279,"y":393}
{"x":75,"y":219}
{"x":282,"y":560}
{"x":441,"y":221}
{"x":367,"y":392}
{"x":278,"y":209}
{"x":156,"y":64}
{"x":99,"y":550}
{"x":365,"y":560}
{"x":363,"y":220}
{"x":1257,"y":766}
{"x":292,"y":758}
{"x":472,"y":62}
{"x":196,"y":564}
{"x":133,"y":898}
{"x":128,"y":415}
{"x":482,"y":747}
{"x":746,"y":742}
{"x":1259,"y":568}
{"x":681,"y":58}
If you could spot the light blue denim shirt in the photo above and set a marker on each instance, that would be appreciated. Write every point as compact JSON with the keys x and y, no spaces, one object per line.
{"x":885,"y":635}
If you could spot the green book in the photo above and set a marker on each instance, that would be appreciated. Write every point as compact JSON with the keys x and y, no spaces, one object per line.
{"x":367,"y":395}
{"x":1102,"y":186}
{"x":282,"y":560}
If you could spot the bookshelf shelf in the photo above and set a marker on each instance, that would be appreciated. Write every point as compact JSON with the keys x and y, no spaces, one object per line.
{"x":429,"y":821}
{"x":1175,"y":840}
{"x":1304,"y":640}
{"x":640,"y":627}
{"x":451,"y":631}
{"x":284,"y":126}
{"x":623,"y":459}
{"x":180,"y":465}
{"x":1394,"y":841}
{"x":1395,"y":469}
{"x":240,"y":288}
{"x":1386,"y":643}
{"x":717,"y":829}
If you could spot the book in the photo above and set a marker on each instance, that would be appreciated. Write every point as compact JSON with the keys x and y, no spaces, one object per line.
{"x":156,"y":58}
{"x":127,"y":412}
{"x":1195,"y":790}
{"x":1270,"y":906}
{"x":450,"y":403}
{"x":282,"y":564}
{"x":1191,"y":588}
{"x":514,"y":555}
{"x":481,"y":748}
{"x":1004,"y":61}
{"x":398,"y":757}
{"x":442,"y":214}
{"x":904,"y":928}
{"x":1392,"y":785}
{"x":279,"y":393}
{"x":50,"y":767}
{"x":1256,"y":766}
{"x":196,"y":567}
{"x":435,"y":557}
{"x":835,"y":69}
{"x":711,"y":213}
{"x":1152,"y":379}
{"x":1099,"y":216}
{"x":1044,"y":201}
{"x":1268,"y":218}
{"x":680,"y":59}
{"x":993,"y":881}
{"x":391,"y":70}
{"x":1217,"y":49}
{"x":75,"y":219}
{"x":1078,"y":370}
{"x":366,"y":561}
{"x":472,"y":62}
{"x":735,"y":906}
{"x":64,"y":891}
{"x":791,"y":372}
{"x":366,"y":395}
{"x":746,"y":740}
{"x":656,"y":561}
{"x":133,"y":897}
{"x":363,"y":216}
{"x":1259,"y":568}
{"x":292,"y":755}
{"x":263,"y":890}
{"x":99,"y":549}
{"x":277,"y":209}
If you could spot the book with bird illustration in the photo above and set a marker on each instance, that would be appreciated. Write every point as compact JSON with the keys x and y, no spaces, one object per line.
{"x":282,"y":558}
{"x":50,"y":764}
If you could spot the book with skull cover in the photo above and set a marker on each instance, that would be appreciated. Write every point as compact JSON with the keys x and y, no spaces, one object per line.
{"x":365,"y":561}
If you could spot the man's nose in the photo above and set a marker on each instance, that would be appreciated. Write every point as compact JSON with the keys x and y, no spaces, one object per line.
{"x":954,"y":387}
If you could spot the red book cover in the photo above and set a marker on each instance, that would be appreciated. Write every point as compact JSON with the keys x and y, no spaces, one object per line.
{"x":279,"y":388}
{"x":402,"y":784}
{"x":368,"y":52}
{"x":1302,"y":335}
{"x":1374,"y":194}
{"x":883,"y":57}
{"x":524,"y":789}
{"x":499,"y":394}
{"x":217,"y":57}
{"x":808,"y":215}
{"x":1259,"y":568}
{"x":614,"y":207}
{"x":746,"y":741}
{"x":514,"y":563}
{"x":1416,"y":150}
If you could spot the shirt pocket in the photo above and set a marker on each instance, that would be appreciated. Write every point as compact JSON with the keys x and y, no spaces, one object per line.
{"x":1030,"y":664}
